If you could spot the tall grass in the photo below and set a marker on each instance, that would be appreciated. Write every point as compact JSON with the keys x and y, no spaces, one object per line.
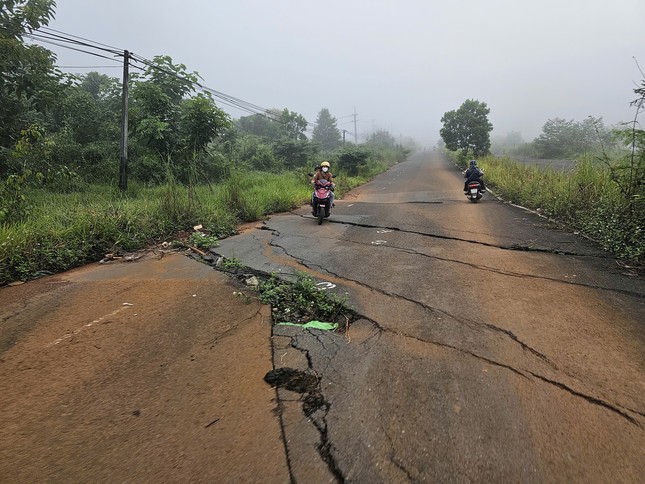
{"x":67,"y":230}
{"x":586,"y":197}
{"x":252,"y":195}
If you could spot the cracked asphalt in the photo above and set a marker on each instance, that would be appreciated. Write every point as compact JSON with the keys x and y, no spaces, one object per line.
{"x":490,"y":344}
{"x":487,"y":345}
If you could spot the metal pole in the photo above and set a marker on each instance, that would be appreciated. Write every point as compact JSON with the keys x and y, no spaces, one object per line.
{"x":355,"y":133}
{"x":123,"y":165}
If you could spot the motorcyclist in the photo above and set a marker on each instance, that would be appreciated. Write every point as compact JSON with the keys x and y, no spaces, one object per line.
{"x":324,"y":174}
{"x":474,"y":173}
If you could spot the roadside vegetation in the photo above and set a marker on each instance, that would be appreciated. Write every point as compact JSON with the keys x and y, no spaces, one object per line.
{"x":57,"y":231}
{"x":602,"y":196}
{"x":589,"y":198}
{"x":62,"y":201}
{"x":301,"y":301}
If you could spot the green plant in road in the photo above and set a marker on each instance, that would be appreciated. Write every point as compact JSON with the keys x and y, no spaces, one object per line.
{"x":301,"y":301}
{"x":231,"y":264}
{"x":203,"y":241}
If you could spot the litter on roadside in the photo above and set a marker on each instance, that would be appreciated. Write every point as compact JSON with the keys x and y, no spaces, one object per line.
{"x":314,"y":324}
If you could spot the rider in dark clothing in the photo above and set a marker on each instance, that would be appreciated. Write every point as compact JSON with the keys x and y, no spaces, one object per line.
{"x":474,"y":173}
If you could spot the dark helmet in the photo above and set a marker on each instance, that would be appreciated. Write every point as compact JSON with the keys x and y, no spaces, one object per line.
{"x":473,"y":162}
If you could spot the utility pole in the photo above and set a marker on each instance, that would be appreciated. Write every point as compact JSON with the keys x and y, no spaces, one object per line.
{"x":123,"y":165}
{"x":355,"y":132}
{"x":344,"y":131}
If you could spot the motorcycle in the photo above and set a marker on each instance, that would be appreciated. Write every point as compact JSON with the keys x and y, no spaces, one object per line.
{"x":474,"y":192}
{"x":321,"y":206}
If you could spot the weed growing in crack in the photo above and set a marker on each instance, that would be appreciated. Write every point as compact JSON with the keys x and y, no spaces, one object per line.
{"x":231,"y":264}
{"x":203,"y":241}
{"x":301,"y":301}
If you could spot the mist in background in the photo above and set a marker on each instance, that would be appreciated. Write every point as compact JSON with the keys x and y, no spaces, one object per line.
{"x":400,"y":64}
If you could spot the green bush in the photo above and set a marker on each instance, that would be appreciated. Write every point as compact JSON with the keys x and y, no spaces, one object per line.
{"x":351,"y":160}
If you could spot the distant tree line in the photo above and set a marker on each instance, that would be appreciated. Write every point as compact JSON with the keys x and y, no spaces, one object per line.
{"x":61,"y":130}
{"x":467,"y":129}
{"x":560,"y":139}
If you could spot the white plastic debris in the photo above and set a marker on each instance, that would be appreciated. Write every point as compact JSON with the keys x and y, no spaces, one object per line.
{"x":252,"y":281}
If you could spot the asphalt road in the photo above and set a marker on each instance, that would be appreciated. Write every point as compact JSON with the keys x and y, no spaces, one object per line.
{"x":492,"y":346}
{"x":146,"y":371}
{"x":488,"y":346}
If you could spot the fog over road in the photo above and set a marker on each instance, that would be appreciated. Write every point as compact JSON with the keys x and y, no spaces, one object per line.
{"x":492,"y":346}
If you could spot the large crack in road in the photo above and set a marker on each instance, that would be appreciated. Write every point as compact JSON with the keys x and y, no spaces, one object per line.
{"x":464,"y":321}
{"x":528,"y":370}
{"x":313,"y":403}
{"x":326,"y":448}
{"x":513,"y":247}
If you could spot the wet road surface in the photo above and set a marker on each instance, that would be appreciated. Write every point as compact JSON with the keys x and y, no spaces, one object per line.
{"x":491,"y":345}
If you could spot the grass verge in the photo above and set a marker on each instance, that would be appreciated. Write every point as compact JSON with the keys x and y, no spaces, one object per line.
{"x":588,"y":198}
{"x":65,"y":230}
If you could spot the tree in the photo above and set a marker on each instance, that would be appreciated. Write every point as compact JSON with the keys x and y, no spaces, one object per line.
{"x":275,"y":124}
{"x":561,"y":138}
{"x":467,"y":129}
{"x":292,"y":125}
{"x":293,"y":154}
{"x":168,"y":123}
{"x":259,"y":125}
{"x":98,"y":85}
{"x":201,"y":121}
{"x":18,"y":17}
{"x":325,"y":132}
{"x":381,"y":137}
{"x":29,"y":81}
{"x":351,"y":159}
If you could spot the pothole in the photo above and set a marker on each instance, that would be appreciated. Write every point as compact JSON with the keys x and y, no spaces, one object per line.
{"x":291,"y":379}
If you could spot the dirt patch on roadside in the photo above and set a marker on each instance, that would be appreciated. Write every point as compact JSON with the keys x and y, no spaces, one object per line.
{"x":143,"y":371}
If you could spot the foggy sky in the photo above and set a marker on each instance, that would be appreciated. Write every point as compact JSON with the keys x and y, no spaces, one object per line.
{"x":401,"y":63}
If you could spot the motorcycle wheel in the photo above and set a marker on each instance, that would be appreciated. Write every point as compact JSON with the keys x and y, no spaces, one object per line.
{"x":321,"y":214}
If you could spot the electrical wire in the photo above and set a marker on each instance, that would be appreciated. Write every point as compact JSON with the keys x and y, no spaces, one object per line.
{"x":36,"y":39}
{"x":49,"y":29}
{"x":225,"y":98}
{"x":58,"y":38}
{"x":88,"y":67}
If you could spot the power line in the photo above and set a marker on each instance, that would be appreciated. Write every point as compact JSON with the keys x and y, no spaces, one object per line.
{"x":48,"y":29}
{"x":61,"y":38}
{"x":58,"y":38}
{"x":37,"y":39}
{"x":225,"y":99}
{"x":89,"y":67}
